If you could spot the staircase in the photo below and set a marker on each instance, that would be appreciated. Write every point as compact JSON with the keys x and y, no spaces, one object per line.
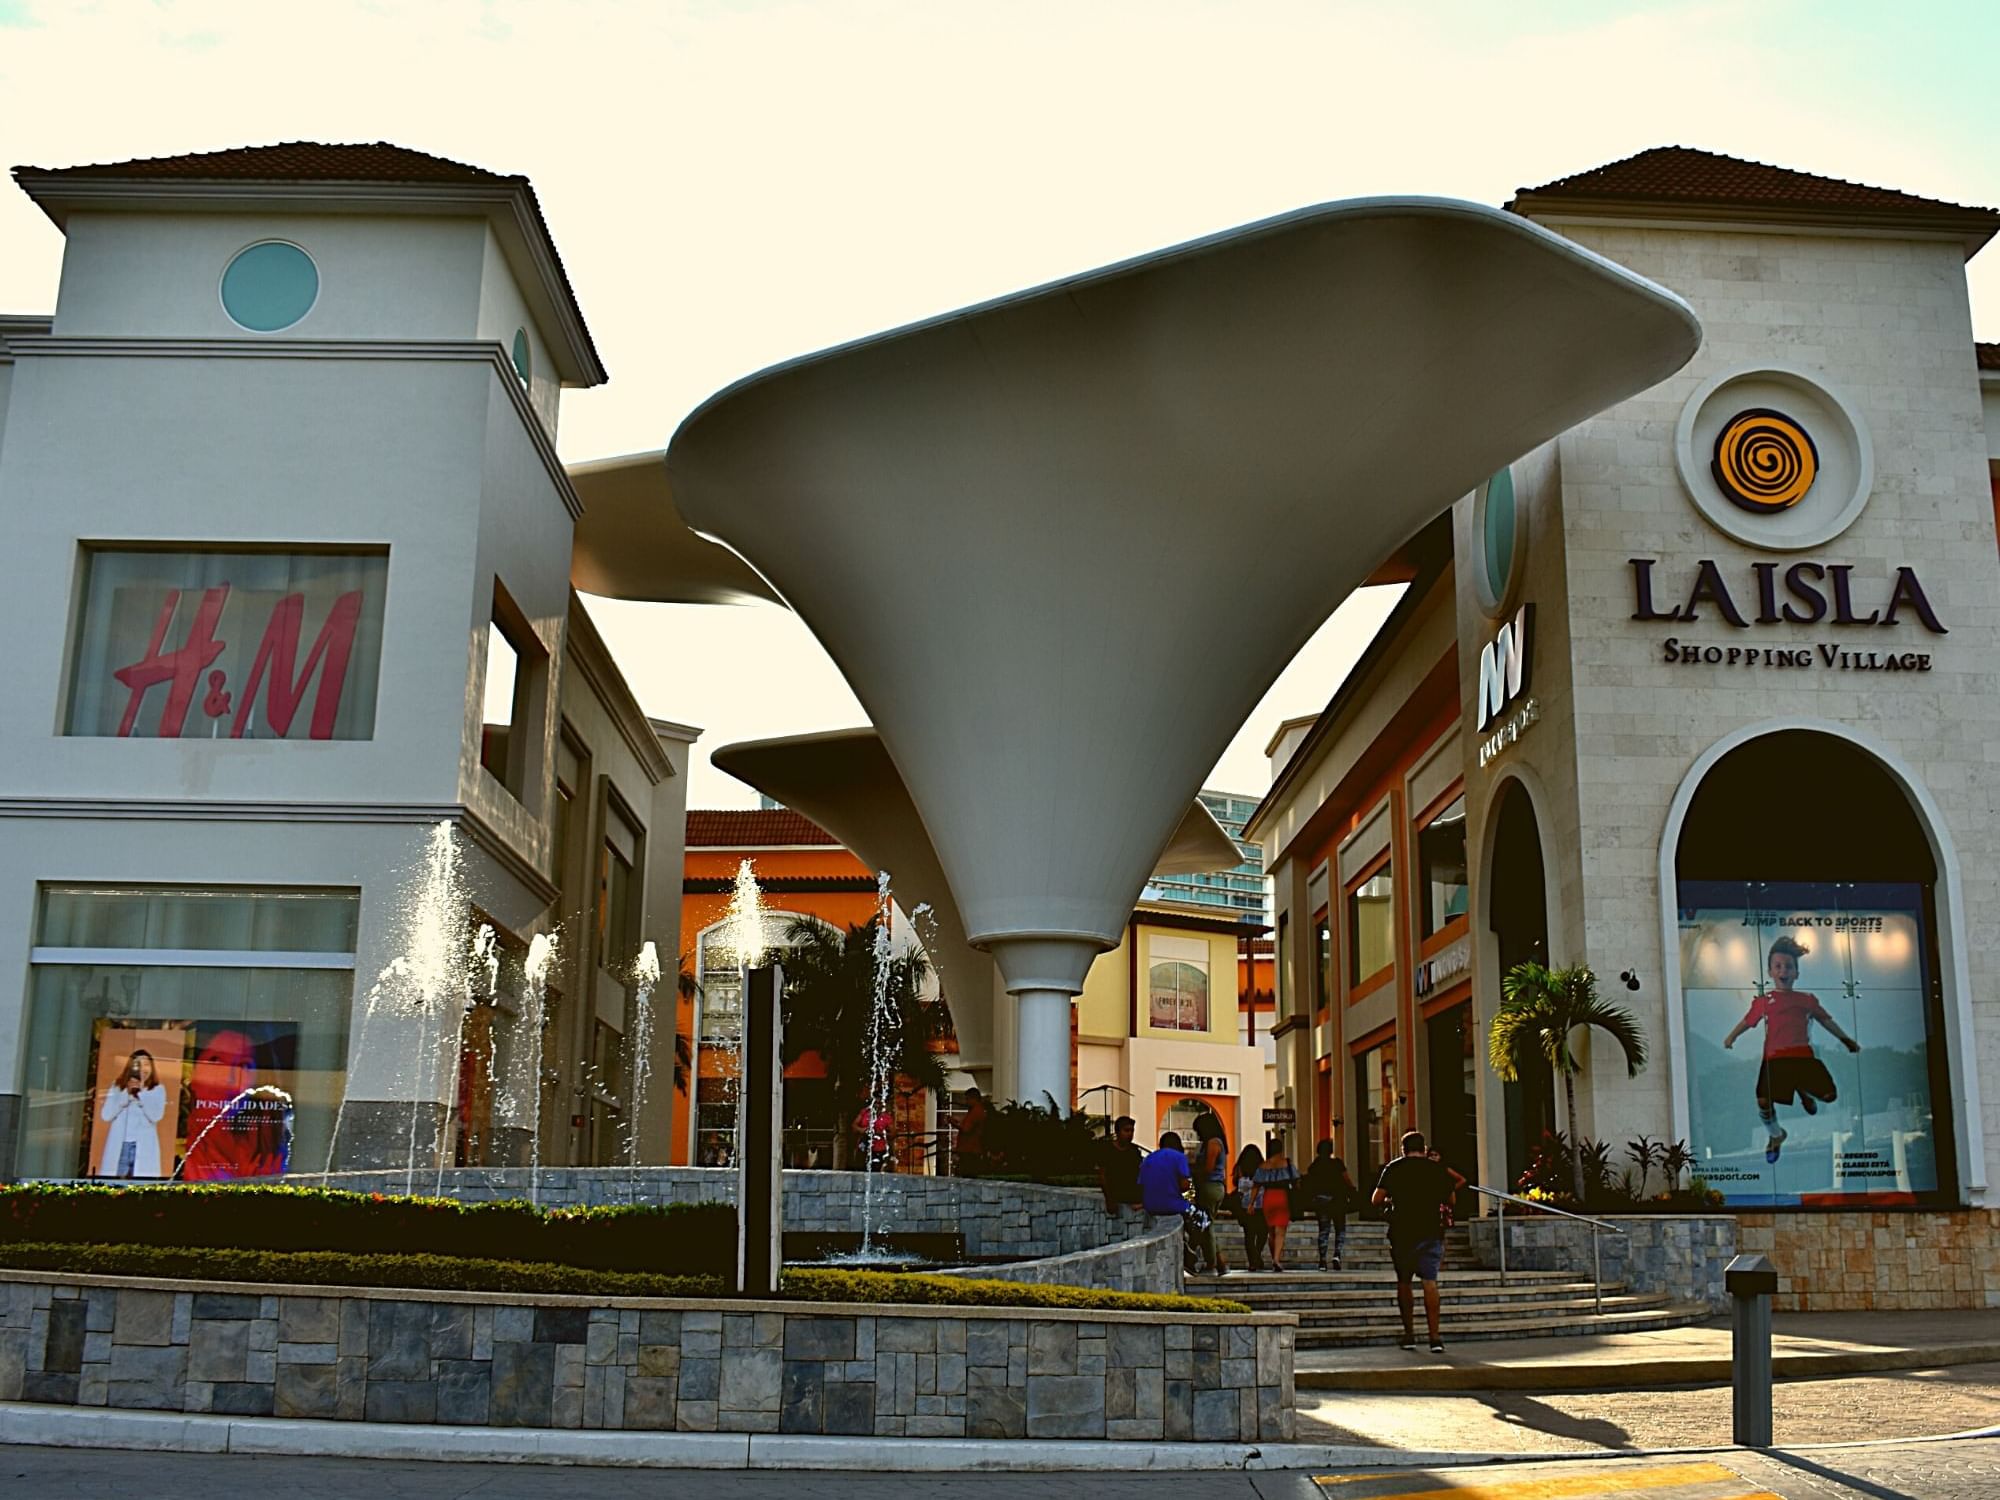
{"x":1356,"y":1306}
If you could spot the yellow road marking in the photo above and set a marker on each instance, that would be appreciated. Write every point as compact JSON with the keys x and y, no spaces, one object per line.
{"x":1572,"y":1484}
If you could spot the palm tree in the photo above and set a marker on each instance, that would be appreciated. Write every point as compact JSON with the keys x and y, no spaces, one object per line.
{"x":1539,"y":1008}
{"x":830,"y":1009}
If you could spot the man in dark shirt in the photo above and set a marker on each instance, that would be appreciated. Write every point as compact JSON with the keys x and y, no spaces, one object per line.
{"x":1415,"y":1190}
{"x":1118,"y":1171}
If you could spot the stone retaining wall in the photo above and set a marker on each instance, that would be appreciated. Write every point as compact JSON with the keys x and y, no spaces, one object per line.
{"x":1152,"y":1262}
{"x":479,"y":1359}
{"x":999,"y":1220}
{"x":1849,"y":1262}
{"x":1681,"y":1256}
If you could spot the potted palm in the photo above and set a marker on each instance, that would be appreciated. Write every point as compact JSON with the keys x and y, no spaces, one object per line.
{"x":1539,"y":1010}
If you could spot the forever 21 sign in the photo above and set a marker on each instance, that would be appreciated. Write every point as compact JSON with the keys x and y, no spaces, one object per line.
{"x":1804,"y":593}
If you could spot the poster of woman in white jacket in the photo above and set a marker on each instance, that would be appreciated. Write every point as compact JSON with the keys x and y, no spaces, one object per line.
{"x":136,"y":1114}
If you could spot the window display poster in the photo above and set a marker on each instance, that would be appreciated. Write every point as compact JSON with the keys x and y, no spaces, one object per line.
{"x":1809,"y":1043}
{"x":241,"y":1082}
{"x":134,"y":1111}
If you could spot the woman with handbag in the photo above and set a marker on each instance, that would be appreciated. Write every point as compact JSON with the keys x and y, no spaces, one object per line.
{"x":1275,"y":1181}
{"x":1211,"y":1171}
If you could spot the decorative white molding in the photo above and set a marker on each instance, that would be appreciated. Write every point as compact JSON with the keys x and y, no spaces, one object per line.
{"x":190,"y":958}
{"x":472,"y":351}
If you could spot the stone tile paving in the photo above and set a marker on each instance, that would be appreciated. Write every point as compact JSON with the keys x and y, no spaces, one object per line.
{"x":1916,"y":1403}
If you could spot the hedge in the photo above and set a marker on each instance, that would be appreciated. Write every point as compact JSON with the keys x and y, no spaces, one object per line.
{"x":473,"y":1274}
{"x":682,"y":1239}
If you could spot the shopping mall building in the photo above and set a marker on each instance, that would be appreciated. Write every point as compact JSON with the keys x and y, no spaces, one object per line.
{"x":1706,"y":689}
{"x":291,"y":589}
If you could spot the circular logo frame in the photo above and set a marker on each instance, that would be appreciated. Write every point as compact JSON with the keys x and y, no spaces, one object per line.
{"x":1493,"y":602}
{"x":1774,"y":457}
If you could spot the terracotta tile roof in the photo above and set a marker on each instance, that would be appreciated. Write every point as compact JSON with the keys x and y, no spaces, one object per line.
{"x":322,"y":162}
{"x":289,"y":161}
{"x":1988,"y":355}
{"x":753,"y":828}
{"x":1712,"y":184}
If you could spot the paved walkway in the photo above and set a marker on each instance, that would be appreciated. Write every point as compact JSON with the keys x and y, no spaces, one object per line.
{"x":1804,"y":1346}
{"x":1905,"y":1404}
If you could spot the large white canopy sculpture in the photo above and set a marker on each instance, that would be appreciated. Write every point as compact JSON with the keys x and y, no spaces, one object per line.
{"x":632,"y":544}
{"x":845,"y":781}
{"x":985,"y":518}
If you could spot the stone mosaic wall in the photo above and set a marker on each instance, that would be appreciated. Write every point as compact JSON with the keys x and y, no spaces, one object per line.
{"x":1681,"y":1256}
{"x":999,"y":1220}
{"x":1151,"y":1262}
{"x":476,"y":1360}
{"x":1849,"y":1262}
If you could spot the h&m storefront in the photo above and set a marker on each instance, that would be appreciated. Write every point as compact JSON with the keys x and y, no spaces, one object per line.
{"x":1720,"y":667}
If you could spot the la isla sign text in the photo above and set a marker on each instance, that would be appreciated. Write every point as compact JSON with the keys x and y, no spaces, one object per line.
{"x":187,"y":673}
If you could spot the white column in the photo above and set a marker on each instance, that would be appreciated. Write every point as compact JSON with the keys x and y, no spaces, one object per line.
{"x":1043,"y":1057}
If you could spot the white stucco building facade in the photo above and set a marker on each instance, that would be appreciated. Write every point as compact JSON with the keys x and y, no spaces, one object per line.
{"x":279,"y":476}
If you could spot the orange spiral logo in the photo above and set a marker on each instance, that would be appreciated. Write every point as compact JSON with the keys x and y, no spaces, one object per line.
{"x":1764,"y":461}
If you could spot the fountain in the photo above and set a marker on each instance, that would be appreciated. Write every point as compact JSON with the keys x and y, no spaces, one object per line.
{"x":645,"y":979}
{"x":542,"y":951}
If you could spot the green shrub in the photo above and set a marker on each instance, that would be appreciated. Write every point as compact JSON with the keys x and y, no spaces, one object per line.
{"x":476,"y":1274}
{"x":681,"y":1239}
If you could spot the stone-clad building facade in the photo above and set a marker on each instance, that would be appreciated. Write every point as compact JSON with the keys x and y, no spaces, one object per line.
{"x":1711,"y":676}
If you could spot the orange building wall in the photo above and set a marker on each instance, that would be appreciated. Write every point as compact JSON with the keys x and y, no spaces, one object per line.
{"x":701,"y":910}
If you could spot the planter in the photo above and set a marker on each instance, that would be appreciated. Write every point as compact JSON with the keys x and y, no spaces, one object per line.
{"x":1679,"y":1255}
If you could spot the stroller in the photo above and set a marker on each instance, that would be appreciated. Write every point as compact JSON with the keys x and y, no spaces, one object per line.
{"x":1196,"y":1242}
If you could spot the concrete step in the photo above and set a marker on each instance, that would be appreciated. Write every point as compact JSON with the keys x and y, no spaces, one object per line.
{"x":1470,"y":1313}
{"x":1452,"y":1293}
{"x":1263,"y":1284}
{"x":1670,"y":1316}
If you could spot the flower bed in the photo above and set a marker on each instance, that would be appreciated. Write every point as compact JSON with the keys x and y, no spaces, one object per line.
{"x":666,"y":1239}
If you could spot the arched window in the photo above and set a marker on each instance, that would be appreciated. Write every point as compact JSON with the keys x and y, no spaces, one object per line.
{"x":1813,"y":1015}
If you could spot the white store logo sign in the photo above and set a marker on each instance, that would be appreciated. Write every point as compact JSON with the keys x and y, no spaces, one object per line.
{"x":1504,"y":664}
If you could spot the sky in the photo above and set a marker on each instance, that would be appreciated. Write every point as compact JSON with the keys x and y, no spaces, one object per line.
{"x":735,"y":182}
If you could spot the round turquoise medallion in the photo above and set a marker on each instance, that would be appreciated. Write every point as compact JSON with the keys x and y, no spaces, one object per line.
{"x":523,"y":360}
{"x":1498,"y":533}
{"x":270,"y":286}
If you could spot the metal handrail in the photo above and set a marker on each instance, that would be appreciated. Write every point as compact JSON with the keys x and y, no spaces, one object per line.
{"x":1543,"y":1208}
{"x":1597,"y":1227}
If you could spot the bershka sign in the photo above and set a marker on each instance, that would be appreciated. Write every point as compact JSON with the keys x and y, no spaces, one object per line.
{"x":1805,"y":593}
{"x":1504,"y":664}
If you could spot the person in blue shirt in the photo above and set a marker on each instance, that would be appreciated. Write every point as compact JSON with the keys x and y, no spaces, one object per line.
{"x":1164,"y":1181}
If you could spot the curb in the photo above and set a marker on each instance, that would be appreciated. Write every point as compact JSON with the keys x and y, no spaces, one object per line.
{"x":1639,"y":1373}
{"x":26,"y":1425}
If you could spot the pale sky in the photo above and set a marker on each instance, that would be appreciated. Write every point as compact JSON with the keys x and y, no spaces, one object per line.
{"x":732,"y":182}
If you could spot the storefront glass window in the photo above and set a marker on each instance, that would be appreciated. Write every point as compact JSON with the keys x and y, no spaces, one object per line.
{"x":1375,"y":1098}
{"x":1441,"y":855}
{"x":1813,"y":1034}
{"x":1371,"y":926}
{"x":1322,"y":960}
{"x":1177,"y":984}
{"x":228,"y":645}
{"x":157,"y":1043}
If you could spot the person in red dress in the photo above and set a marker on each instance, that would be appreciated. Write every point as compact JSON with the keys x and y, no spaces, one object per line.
{"x":1791,"y":1069}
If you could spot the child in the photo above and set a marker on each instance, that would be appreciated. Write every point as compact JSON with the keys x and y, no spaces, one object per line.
{"x":1790,"y":1068}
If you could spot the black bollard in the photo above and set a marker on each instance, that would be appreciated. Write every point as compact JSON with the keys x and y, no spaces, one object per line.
{"x":1751,"y":1280}
{"x":760,"y":1114}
